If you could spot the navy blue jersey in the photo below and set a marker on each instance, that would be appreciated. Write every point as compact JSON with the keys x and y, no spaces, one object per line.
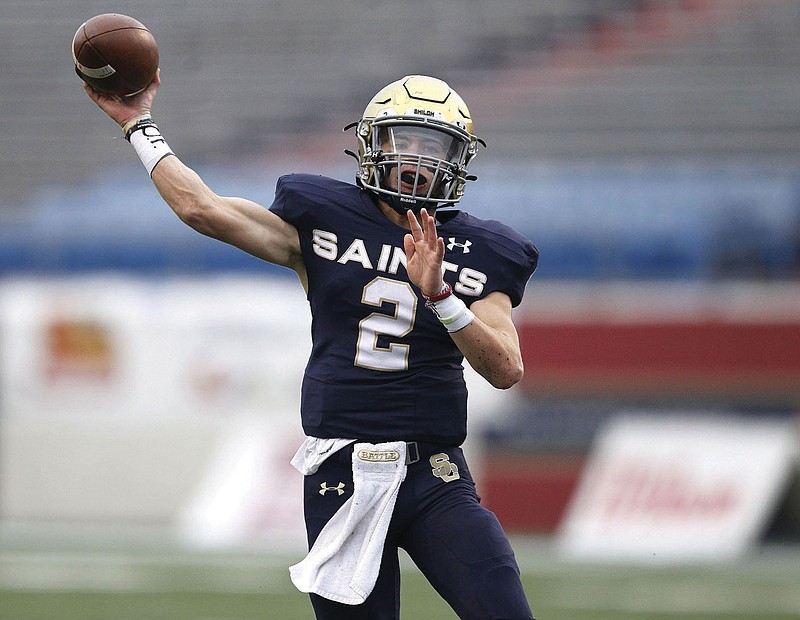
{"x":382,"y":367}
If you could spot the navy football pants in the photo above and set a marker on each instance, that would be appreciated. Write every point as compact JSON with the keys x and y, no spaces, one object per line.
{"x":458,"y":544}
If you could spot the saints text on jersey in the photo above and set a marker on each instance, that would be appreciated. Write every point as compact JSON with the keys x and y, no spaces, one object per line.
{"x":389,"y":260}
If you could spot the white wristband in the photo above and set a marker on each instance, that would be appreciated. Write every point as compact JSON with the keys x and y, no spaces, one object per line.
{"x":452,"y":312}
{"x":150,"y":146}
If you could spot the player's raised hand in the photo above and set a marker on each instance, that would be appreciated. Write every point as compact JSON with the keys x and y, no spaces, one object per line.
{"x":424,"y":253}
{"x":124,"y":109}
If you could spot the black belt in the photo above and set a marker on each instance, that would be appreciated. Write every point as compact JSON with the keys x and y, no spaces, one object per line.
{"x":412,"y":452}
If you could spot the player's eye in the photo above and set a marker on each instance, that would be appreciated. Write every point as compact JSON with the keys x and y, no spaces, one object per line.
{"x":431,"y":147}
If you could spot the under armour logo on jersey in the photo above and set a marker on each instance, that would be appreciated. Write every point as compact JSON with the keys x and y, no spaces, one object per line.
{"x":324,"y":488}
{"x":452,"y":243}
{"x":443,"y":468}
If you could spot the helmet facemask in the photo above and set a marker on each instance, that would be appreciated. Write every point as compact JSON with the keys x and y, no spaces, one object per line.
{"x":413,"y":163}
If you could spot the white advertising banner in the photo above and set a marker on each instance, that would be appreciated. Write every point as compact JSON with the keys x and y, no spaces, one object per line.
{"x":112,"y":346}
{"x":164,"y":401}
{"x":678,"y":488}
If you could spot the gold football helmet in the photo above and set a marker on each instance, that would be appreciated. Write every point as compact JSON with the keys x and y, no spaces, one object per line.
{"x":415,"y":141}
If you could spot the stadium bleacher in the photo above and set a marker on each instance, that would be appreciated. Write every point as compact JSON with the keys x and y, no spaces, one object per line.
{"x":624,"y":135}
{"x":569,"y":78}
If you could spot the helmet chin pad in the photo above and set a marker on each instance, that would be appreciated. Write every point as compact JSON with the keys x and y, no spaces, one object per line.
{"x":402,"y":204}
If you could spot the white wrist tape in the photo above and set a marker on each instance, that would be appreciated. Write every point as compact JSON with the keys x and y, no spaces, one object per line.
{"x":148,"y":143}
{"x":452,"y":312}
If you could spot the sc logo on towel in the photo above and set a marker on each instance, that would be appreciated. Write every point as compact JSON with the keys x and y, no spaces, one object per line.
{"x":443,"y":468}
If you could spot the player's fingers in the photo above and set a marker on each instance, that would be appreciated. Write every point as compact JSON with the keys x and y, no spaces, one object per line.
{"x":408,"y":245}
{"x":153,"y":86}
{"x":101,"y":99}
{"x":93,"y":94}
{"x":429,"y":224}
{"x":416,"y":230}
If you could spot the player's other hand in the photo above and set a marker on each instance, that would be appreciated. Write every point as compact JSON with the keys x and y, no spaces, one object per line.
{"x":124,"y":109}
{"x":424,"y":253}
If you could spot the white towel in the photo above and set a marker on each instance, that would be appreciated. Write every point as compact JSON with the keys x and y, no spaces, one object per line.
{"x":314,"y":451}
{"x":344,"y":561}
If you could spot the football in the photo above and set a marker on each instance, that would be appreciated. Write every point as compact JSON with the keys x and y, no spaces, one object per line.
{"x":115,"y":54}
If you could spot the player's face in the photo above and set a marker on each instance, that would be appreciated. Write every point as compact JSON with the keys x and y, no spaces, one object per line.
{"x":420,"y":152}
{"x":416,"y":141}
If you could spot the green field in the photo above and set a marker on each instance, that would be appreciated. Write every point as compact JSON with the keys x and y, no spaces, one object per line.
{"x":92,"y":583}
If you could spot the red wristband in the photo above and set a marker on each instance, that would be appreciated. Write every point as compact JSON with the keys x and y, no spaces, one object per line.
{"x":446,"y":291}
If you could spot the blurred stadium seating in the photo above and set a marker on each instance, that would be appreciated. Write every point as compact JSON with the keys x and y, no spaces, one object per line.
{"x":629,"y":138}
{"x":570,"y":78}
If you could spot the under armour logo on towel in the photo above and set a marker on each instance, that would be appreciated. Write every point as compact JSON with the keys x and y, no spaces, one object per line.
{"x":452,"y":243}
{"x":324,"y":488}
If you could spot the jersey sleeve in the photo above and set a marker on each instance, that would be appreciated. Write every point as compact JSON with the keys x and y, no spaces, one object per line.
{"x":504,"y":259}
{"x":521,"y":269}
{"x":283,"y":206}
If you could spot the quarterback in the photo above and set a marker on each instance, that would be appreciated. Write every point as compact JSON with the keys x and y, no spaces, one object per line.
{"x":402,"y":288}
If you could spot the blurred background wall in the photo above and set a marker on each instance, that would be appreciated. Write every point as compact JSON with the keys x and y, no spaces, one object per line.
{"x":648,"y":147}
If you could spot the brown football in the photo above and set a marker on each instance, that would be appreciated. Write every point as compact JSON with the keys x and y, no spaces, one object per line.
{"x":115,"y":53}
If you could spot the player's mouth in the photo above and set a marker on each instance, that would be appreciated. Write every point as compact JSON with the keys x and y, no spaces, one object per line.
{"x":411,"y":180}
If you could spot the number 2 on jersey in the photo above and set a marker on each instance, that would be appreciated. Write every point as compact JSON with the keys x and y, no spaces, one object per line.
{"x":393,"y":356}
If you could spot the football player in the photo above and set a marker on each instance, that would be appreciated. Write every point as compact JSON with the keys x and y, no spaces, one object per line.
{"x":402,"y":287}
